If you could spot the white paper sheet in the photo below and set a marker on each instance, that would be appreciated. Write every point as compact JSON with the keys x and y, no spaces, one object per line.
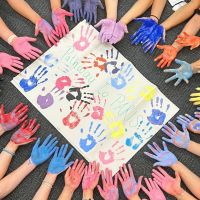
{"x":116,"y":109}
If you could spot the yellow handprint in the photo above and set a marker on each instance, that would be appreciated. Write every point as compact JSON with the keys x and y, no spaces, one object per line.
{"x":148,"y":92}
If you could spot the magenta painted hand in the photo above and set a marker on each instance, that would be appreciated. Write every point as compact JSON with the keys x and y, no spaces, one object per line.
{"x":48,"y":32}
{"x":12,"y":63}
{"x":153,"y":191}
{"x":91,"y":176}
{"x":60,"y":24}
{"x":74,"y":175}
{"x":23,"y":47}
{"x":11,"y":120}
{"x":25,"y":132}
{"x":110,"y":188}
{"x":118,"y":33}
{"x":107,"y":29}
{"x":169,"y":184}
{"x":130,"y":187}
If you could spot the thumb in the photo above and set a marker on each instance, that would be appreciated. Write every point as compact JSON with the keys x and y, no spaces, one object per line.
{"x":1,"y":70}
{"x":178,"y":178}
{"x":157,"y":164}
{"x":140,"y":182}
{"x":36,"y":30}
{"x":30,"y":39}
{"x":67,"y":13}
{"x":100,"y":190}
{"x":69,"y":164}
{"x":98,"y":24}
{"x":161,"y":46}
{"x":180,"y":62}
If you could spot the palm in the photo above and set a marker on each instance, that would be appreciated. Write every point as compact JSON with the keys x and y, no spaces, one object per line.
{"x":74,"y":180}
{"x":194,"y":126}
{"x":90,"y":182}
{"x":130,"y":187}
{"x":170,"y":184}
{"x":110,"y":192}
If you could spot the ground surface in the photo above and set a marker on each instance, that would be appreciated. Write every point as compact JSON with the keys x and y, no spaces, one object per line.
{"x":144,"y":63}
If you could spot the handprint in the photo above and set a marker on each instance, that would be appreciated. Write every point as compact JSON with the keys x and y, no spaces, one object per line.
{"x":94,"y":134}
{"x":33,"y":81}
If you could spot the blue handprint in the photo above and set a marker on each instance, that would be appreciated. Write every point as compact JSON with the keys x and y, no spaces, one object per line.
{"x":143,"y":131}
{"x":33,"y":80}
{"x":121,"y":79}
{"x":90,"y":141}
{"x":158,"y":115}
{"x":50,"y":61}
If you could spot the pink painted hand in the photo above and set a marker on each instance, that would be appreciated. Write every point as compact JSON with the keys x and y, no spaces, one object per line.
{"x":166,"y":182}
{"x":74,"y":175}
{"x":60,"y":24}
{"x":48,"y":32}
{"x":110,"y":188}
{"x":11,"y":120}
{"x":12,"y":63}
{"x":168,"y":55}
{"x":130,"y":187}
{"x":153,"y":191}
{"x":23,"y":47}
{"x":91,"y":176}
{"x":23,"y":135}
{"x":188,"y":40}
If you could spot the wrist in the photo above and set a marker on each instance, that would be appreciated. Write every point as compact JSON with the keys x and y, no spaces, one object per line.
{"x":179,"y":193}
{"x":2,"y":131}
{"x":68,"y":192}
{"x":11,"y":146}
{"x":155,"y":18}
{"x":176,"y":166}
{"x":87,"y":194}
{"x":30,"y":165}
{"x":195,"y":68}
{"x":49,"y":180}
{"x":11,"y":39}
{"x":135,"y":197}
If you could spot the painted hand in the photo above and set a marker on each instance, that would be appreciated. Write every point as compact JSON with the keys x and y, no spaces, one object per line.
{"x":91,"y":176}
{"x":118,"y":33}
{"x":59,"y":162}
{"x":188,"y":40}
{"x":164,"y":157}
{"x":110,"y":188}
{"x":74,"y":175}
{"x":43,"y":152}
{"x":90,"y":10}
{"x":195,"y":97}
{"x":184,"y":72}
{"x":12,"y":63}
{"x":107,"y":29}
{"x":177,"y":137}
{"x":14,"y":118}
{"x":153,"y":191}
{"x":59,"y":22}
{"x":197,"y":114}
{"x":190,"y":122}
{"x":23,"y":47}
{"x":75,"y":7}
{"x":144,"y":31}
{"x":166,"y":182}
{"x":168,"y":55}
{"x":25,"y":132}
{"x":48,"y":32}
{"x":130,"y":187}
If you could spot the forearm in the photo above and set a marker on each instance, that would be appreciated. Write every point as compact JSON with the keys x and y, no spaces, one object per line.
{"x":196,"y":67}
{"x":6,"y":157}
{"x":181,"y":14}
{"x":185,"y":196}
{"x":87,"y":194}
{"x":136,"y":10}
{"x":66,"y":194}
{"x":45,"y":189}
{"x":158,"y":7}
{"x":5,"y":33}
{"x":23,"y":8}
{"x":55,"y":4}
{"x":11,"y":181}
{"x":191,"y":180}
{"x":111,"y":9}
{"x":194,"y":148}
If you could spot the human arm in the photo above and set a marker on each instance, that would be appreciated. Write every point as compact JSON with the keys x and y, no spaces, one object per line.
{"x":181,"y":14}
{"x":111,"y":9}
{"x":73,"y":179}
{"x":170,"y":185}
{"x":58,"y":164}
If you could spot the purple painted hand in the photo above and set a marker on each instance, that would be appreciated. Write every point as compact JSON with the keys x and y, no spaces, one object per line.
{"x":177,"y":137}
{"x":110,"y":189}
{"x":118,"y":33}
{"x":164,"y":157}
{"x":197,"y":114}
{"x":91,"y":176}
{"x":153,"y":191}
{"x":12,"y":63}
{"x":130,"y":187}
{"x":14,"y":118}
{"x":107,"y":29}
{"x":47,"y":30}
{"x":90,"y":10}
{"x":169,"y":184}
{"x":23,"y":47}
{"x":60,"y":24}
{"x":190,"y":122}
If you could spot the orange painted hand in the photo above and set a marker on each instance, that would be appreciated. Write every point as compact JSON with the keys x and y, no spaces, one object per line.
{"x":168,"y":55}
{"x":188,"y":40}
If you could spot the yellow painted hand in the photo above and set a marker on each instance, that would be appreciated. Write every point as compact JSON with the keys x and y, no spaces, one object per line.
{"x":195,"y":97}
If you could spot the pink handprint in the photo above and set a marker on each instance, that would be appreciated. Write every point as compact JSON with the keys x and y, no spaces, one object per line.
{"x":85,"y":39}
